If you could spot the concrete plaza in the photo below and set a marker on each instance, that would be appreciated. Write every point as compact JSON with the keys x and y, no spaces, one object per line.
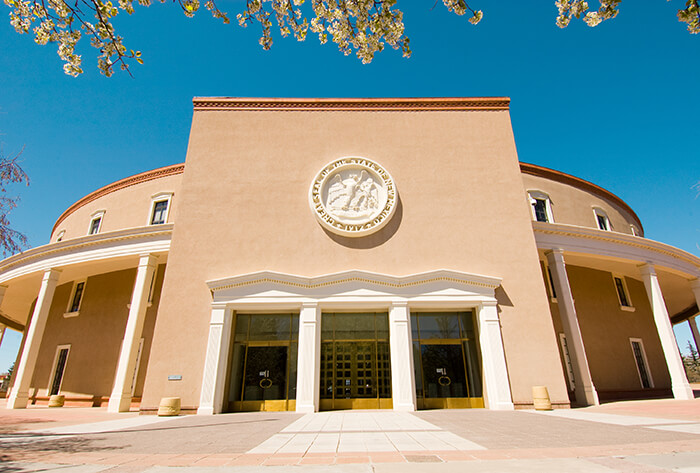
{"x":636,"y":436}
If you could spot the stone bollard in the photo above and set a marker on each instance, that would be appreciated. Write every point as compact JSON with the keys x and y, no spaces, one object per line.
{"x":169,"y":406}
{"x":57,"y":400}
{"x":540,"y":396}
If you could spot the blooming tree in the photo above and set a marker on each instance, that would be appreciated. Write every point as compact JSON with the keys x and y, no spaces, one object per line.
{"x":360,"y":26}
{"x":11,"y":241}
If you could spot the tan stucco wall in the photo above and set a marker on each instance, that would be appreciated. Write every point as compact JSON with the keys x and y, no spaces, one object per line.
{"x":243,"y":208}
{"x":95,"y":335}
{"x":128,"y":207}
{"x":574,"y":206}
{"x":606,"y":330}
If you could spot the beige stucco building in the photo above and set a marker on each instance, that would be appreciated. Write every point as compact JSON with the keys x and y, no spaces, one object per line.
{"x":318,"y":254}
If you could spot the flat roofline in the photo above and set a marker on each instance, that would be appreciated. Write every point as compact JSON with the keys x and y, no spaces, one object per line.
{"x":352,"y":104}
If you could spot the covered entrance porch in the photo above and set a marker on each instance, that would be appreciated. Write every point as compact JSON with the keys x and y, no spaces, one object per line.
{"x":359,"y":340}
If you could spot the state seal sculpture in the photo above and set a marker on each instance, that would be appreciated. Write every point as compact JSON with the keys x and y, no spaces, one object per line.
{"x":353,"y":196}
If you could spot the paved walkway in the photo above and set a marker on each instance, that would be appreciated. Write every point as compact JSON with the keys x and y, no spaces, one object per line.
{"x":641,"y":436}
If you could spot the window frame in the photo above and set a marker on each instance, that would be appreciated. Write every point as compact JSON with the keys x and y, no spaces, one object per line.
{"x":630,"y":306}
{"x":533,"y":197}
{"x":160,"y":197}
{"x":600,"y":213}
{"x":75,"y":313}
{"x":60,"y":235}
{"x":95,"y":216}
{"x":646,"y":362}
{"x":54,"y":365}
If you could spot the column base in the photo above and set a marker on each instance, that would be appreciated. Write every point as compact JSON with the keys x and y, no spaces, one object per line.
{"x":305,"y":408}
{"x":683,"y":392}
{"x":205,"y":411}
{"x":502,"y":406}
{"x":589,"y":396}
{"x":404,"y":407}
{"x":17,"y":400}
{"x":119,"y":404}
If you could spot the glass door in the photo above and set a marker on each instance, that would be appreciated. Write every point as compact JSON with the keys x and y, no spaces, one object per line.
{"x":355,"y":364}
{"x":446,"y":360}
{"x":263,"y":363}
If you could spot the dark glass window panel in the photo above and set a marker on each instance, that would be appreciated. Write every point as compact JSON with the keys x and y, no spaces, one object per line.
{"x":443,"y":371}
{"x":60,"y":369}
{"x":292,"y":383}
{"x":95,"y":226}
{"x":602,"y":222}
{"x":624,"y":301}
{"x":414,"y":326}
{"x":236,"y":377}
{"x":382,"y":323}
{"x":641,"y":365}
{"x":266,"y":373}
{"x":159,"y":211}
{"x":327,"y":326}
{"x":467,"y":321}
{"x":354,"y":326}
{"x":270,"y":327}
{"x":77,"y":296}
{"x":383,"y":376}
{"x":471,"y":355}
{"x":327,"y":379}
{"x":295,"y":326}
{"x":242,"y":322}
{"x":541,"y":210}
{"x":439,"y":325}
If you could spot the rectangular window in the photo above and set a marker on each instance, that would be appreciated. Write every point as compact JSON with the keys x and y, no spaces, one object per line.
{"x":567,"y":361}
{"x":622,"y":293}
{"x":160,"y":212}
{"x":95,"y":225}
{"x":602,"y":222}
{"x":59,"y":369}
{"x":640,"y":358}
{"x":75,"y":299}
{"x":540,"y":206}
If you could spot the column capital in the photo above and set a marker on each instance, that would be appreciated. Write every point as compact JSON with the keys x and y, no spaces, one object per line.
{"x":51,"y":274}
{"x":555,"y":255}
{"x":399,"y":304}
{"x":148,"y":259}
{"x":695,"y":284}
{"x":309,"y":305}
{"x":647,"y":269}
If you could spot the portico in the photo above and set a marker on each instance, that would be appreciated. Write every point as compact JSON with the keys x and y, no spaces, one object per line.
{"x":359,"y":294}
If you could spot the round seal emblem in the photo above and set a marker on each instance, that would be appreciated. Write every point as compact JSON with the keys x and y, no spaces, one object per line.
{"x":353,"y":196}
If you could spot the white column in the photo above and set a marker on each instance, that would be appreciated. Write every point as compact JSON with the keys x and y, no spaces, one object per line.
{"x":493,"y":356}
{"x":211,"y":399}
{"x":403,"y":383}
{"x":679,"y":381}
{"x":309,"y":358}
{"x":120,"y":399}
{"x":693,"y":321}
{"x":585,"y":391}
{"x":35,"y":331}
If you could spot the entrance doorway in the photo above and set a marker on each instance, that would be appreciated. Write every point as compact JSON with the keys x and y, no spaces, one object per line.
{"x":355,"y":363}
{"x":263,"y":363}
{"x":446,"y":360}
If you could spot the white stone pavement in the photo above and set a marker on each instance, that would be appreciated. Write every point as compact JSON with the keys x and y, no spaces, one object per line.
{"x":366,"y":431}
{"x":673,"y":425}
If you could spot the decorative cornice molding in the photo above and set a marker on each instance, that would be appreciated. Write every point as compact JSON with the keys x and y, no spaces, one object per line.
{"x":76,"y":245}
{"x":540,"y":171}
{"x":352,"y":104}
{"x":641,"y":243}
{"x":354,"y":276}
{"x":121,"y":184}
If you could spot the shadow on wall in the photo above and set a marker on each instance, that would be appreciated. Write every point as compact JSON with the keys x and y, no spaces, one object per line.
{"x":375,"y":239}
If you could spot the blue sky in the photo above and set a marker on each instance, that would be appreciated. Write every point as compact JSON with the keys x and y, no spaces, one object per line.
{"x":616,"y":104}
